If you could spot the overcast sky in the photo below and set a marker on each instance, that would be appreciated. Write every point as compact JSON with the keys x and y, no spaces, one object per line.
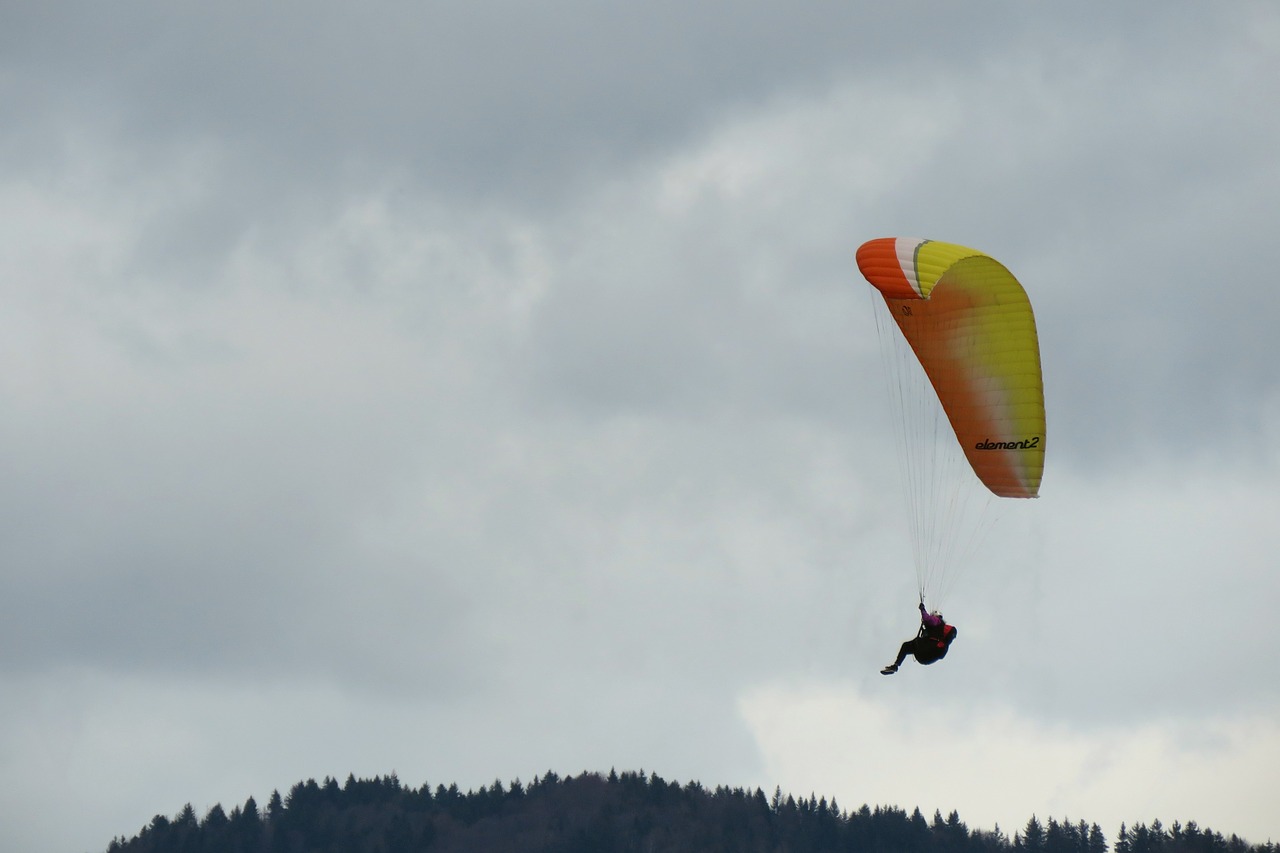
{"x":471,"y":390}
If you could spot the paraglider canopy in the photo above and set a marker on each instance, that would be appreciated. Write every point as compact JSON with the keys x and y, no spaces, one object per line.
{"x":970,"y":325}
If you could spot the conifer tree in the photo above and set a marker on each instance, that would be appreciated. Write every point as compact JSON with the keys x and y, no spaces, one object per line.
{"x":1032,"y":838}
{"x":1097,"y":842}
{"x":1123,"y":843}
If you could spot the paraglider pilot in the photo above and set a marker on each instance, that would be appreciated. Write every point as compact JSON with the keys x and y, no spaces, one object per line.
{"x":929,"y":645}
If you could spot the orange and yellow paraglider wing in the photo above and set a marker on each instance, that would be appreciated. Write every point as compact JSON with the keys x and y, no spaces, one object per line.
{"x":976,"y":338}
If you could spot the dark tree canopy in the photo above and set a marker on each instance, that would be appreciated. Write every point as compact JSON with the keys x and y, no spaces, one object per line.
{"x":619,"y":813}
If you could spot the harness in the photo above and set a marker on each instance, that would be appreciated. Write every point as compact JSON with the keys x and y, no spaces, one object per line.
{"x":942,"y":634}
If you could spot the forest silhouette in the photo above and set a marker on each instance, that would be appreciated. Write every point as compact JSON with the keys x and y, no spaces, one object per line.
{"x":626,"y":812}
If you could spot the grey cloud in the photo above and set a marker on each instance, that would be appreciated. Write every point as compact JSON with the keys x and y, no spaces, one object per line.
{"x":504,"y":100}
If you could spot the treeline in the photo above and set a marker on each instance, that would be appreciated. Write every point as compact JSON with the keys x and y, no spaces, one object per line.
{"x":620,"y":813}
